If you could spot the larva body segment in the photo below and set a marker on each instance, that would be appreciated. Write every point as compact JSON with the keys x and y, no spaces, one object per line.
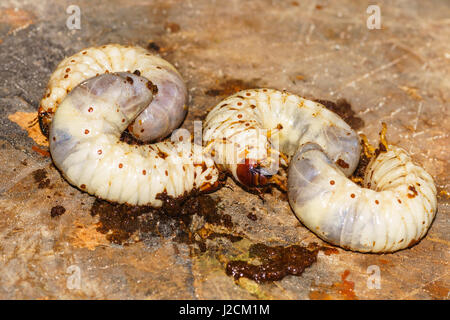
{"x":85,"y":145}
{"x":393,"y":210}
{"x":164,"y":114}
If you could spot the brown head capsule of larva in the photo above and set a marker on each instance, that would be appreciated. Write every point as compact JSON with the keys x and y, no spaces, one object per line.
{"x":252,"y":174}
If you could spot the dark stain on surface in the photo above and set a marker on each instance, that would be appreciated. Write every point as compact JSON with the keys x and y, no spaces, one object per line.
{"x":174,"y":219}
{"x":40,"y":177}
{"x":343,"y":109}
{"x":252,"y":216}
{"x":229,"y":87}
{"x":275,"y":262}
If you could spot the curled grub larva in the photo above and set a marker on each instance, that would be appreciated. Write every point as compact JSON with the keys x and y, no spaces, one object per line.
{"x":248,"y":131}
{"x":392,"y":211}
{"x":166,"y":111}
{"x":85,"y":145}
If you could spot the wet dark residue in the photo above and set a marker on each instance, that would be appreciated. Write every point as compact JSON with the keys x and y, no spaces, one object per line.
{"x":40,"y":177}
{"x":252,"y":216}
{"x":343,"y":109}
{"x":174,"y":219}
{"x":275,"y":262}
{"x":57,"y":211}
{"x":229,"y":87}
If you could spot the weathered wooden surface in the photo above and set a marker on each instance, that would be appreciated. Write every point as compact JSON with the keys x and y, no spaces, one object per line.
{"x":319,"y":49}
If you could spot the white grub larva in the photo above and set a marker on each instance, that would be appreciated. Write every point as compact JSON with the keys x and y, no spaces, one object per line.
{"x":166,"y":111}
{"x":392,"y":211}
{"x":85,"y":145}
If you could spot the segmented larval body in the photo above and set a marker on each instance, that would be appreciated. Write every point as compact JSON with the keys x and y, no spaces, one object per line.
{"x":245,"y":131}
{"x":85,"y":145}
{"x":393,"y":210}
{"x":166,"y":111}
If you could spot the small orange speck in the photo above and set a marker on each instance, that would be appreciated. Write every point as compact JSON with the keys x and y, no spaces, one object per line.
{"x":120,"y":165}
{"x":86,"y":131}
{"x":99,"y":151}
{"x":144,"y":172}
{"x":332,"y":182}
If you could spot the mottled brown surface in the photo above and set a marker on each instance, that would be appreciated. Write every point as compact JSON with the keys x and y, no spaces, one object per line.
{"x":318,"y":49}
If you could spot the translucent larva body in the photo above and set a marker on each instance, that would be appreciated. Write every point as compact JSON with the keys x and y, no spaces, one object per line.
{"x":166,"y":111}
{"x":393,"y":211}
{"x":85,"y":145}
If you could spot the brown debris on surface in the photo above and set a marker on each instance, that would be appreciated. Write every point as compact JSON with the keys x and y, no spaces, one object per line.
{"x":40,"y":177}
{"x":229,"y":87}
{"x":343,"y":109}
{"x":174,"y":219}
{"x":274,"y":262}
{"x":57,"y":211}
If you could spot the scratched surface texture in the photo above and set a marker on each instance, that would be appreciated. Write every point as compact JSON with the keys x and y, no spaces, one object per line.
{"x":319,"y":49}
